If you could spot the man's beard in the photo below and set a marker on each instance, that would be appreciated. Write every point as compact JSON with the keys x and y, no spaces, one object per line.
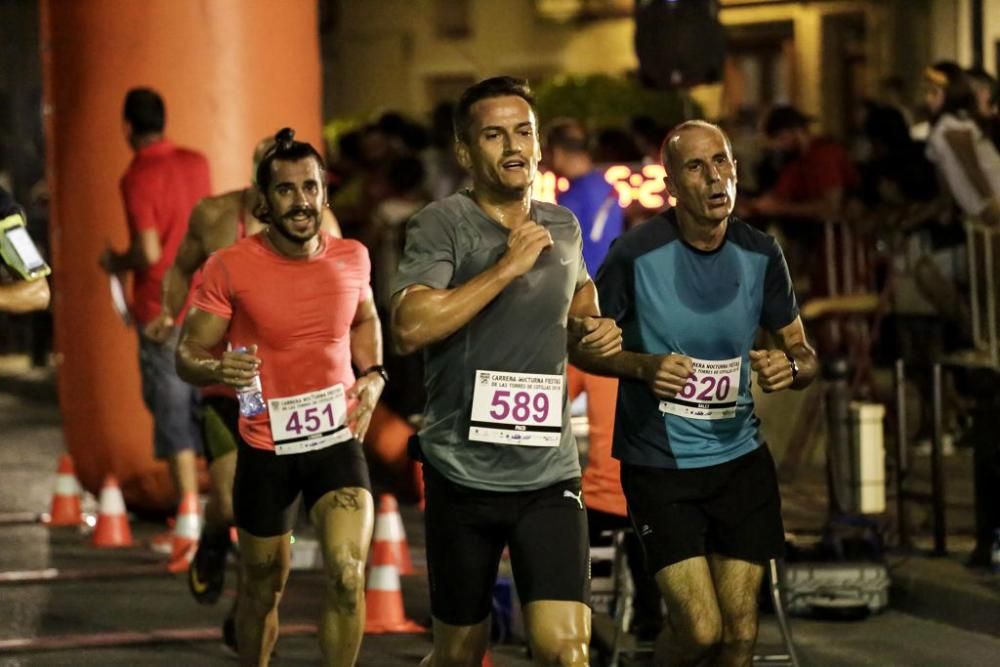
{"x":279,"y":226}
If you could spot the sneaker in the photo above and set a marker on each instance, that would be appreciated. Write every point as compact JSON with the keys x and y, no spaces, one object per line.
{"x":163,"y":543}
{"x":207,"y":574}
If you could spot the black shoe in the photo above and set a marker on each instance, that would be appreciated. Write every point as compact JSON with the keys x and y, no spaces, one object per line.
{"x":207,"y":574}
{"x":229,"y":633}
{"x":229,"y":636}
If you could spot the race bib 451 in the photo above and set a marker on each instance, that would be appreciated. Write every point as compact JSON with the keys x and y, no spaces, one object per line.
{"x":308,"y":422}
{"x":517,"y":409}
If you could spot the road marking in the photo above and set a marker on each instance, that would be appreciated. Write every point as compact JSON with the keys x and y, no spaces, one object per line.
{"x":160,"y":636}
{"x":56,"y":574}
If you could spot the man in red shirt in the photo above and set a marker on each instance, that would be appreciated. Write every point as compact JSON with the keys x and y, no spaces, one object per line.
{"x":160,"y":188}
{"x":817,"y":175}
{"x":812,"y":188}
{"x":298,"y":302}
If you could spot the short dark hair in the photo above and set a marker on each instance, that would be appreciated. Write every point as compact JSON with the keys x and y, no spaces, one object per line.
{"x":785,"y":117}
{"x":567,"y":134}
{"x":958,"y":95}
{"x":144,"y":111}
{"x":497,"y":86}
{"x":285,"y":148}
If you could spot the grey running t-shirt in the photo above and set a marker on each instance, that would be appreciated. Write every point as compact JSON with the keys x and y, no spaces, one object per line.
{"x":523,"y":330}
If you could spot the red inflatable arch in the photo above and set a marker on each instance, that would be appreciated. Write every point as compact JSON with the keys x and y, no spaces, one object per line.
{"x":230,"y":72}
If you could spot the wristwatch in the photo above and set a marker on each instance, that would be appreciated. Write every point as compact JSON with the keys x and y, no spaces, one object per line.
{"x":377,"y":369}
{"x":795,"y":366}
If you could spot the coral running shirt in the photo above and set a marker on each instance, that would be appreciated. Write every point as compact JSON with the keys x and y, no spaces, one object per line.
{"x":297,"y":311}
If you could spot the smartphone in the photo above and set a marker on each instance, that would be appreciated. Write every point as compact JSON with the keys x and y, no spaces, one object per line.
{"x":19,"y":252}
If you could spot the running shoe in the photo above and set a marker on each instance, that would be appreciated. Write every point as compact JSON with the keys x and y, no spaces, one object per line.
{"x":207,"y":574}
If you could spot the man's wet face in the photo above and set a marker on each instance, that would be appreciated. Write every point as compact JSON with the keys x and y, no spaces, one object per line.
{"x":702,"y":174}
{"x":296,"y":198}
{"x":503,"y":144}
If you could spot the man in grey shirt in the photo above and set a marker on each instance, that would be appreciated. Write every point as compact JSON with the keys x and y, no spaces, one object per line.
{"x":492,"y":286}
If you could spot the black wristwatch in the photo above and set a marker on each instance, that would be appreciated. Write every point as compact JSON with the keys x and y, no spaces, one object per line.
{"x":377,"y":369}
{"x":795,"y":366}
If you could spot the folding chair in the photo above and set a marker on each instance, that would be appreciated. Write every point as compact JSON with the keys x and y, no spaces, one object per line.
{"x":789,"y":657}
{"x":611,"y":629}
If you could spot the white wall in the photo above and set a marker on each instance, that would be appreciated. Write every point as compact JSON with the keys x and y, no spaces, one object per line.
{"x":951,"y":32}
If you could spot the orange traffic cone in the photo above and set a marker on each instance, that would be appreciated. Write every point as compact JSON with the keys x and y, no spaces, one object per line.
{"x":186,"y":533}
{"x":384,"y":601}
{"x":389,"y":544}
{"x":112,"y":529}
{"x":65,"y":509}
{"x":488,"y":659}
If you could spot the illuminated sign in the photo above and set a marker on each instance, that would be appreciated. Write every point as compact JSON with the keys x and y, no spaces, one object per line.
{"x":635,"y":184}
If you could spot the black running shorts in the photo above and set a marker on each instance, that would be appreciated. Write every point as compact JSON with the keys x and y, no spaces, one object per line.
{"x":467,"y":530}
{"x":267,"y":485}
{"x":732,"y":509}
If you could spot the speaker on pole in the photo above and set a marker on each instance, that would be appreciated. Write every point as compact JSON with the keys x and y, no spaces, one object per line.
{"x":679,"y":43}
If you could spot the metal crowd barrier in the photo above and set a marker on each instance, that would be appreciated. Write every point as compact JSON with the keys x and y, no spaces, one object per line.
{"x":982,"y":244}
{"x":983,"y":292}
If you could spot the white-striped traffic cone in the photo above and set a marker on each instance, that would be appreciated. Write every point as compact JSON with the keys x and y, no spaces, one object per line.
{"x":384,"y":602}
{"x":389,"y":543}
{"x":112,"y":529}
{"x":186,"y":533}
{"x":65,"y":508}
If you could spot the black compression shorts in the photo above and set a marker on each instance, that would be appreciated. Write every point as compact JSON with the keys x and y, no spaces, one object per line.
{"x":467,"y":530}
{"x":267,"y":485}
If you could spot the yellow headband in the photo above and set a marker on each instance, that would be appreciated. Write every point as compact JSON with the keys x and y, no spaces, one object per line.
{"x":937,"y":77}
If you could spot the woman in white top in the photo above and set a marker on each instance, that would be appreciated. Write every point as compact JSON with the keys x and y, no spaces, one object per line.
{"x":965,"y":156}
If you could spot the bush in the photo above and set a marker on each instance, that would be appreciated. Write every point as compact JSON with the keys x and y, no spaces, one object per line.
{"x":601,"y":100}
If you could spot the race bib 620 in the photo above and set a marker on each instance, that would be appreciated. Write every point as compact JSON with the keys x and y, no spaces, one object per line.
{"x":710,"y":392}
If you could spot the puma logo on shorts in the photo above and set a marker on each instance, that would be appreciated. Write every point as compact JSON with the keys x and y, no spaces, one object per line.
{"x":578,"y":496}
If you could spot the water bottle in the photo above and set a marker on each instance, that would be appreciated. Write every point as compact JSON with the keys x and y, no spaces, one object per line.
{"x":252,"y":396}
{"x":995,"y":552}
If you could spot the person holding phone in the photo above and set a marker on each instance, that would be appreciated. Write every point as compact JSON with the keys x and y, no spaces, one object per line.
{"x":23,"y":287}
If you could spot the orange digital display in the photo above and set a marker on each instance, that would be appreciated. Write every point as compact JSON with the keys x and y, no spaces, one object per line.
{"x":641,"y":184}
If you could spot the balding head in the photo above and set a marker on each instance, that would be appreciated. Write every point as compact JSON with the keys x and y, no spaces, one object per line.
{"x":670,"y":150}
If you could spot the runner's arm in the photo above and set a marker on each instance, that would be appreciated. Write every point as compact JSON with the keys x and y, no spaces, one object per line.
{"x":190,"y":256}
{"x":601,"y":350}
{"x":422,"y":315}
{"x":144,"y":250}
{"x":794,"y":343}
{"x":588,"y":332}
{"x":366,"y":351}
{"x":195,"y":362}
{"x":366,"y":336}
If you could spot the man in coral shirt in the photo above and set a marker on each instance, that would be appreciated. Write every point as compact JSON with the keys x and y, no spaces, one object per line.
{"x":298,"y":302}
{"x":161,"y":187}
